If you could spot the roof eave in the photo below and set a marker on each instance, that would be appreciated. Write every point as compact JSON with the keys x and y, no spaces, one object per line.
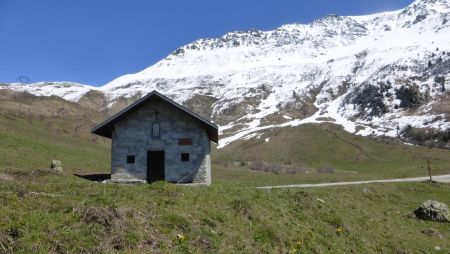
{"x":103,"y":130}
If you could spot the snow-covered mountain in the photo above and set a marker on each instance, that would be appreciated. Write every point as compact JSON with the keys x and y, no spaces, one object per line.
{"x":70,"y":91}
{"x":374,"y":75}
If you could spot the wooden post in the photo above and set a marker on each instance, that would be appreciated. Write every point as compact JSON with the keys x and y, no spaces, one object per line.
{"x":428,"y":157}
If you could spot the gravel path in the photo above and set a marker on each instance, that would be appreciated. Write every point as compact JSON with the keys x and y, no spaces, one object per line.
{"x":441,"y":179}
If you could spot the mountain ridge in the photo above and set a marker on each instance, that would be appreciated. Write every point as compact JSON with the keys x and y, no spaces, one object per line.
{"x":356,"y":71}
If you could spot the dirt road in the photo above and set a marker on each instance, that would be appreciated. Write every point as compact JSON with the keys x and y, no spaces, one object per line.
{"x":441,"y":179}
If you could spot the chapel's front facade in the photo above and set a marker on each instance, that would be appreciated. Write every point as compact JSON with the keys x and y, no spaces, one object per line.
{"x":157,"y":139}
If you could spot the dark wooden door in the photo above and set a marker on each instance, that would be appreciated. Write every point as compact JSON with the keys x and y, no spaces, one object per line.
{"x":155,"y":165}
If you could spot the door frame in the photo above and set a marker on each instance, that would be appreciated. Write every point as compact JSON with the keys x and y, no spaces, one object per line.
{"x":156,"y":177}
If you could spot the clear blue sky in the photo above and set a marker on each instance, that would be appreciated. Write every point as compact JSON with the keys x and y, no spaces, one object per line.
{"x":94,"y":41}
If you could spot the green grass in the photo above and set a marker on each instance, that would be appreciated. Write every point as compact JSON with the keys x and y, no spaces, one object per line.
{"x":30,"y":141}
{"x":42,"y":212}
{"x":94,"y":217}
{"x":314,"y":146}
{"x":30,"y":137}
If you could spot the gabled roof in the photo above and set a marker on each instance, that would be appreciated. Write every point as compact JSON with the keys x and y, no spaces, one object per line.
{"x":105,"y":128}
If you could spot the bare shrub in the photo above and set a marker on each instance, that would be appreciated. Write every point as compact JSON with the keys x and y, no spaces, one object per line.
{"x":293,"y":170}
{"x":326,"y":170}
{"x":265,"y":166}
{"x":275,"y":168}
{"x":424,"y":134}
{"x":420,"y":134}
{"x":257,"y":165}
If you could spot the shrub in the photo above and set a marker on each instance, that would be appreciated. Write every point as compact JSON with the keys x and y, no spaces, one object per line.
{"x":369,"y":97}
{"x":443,"y":135}
{"x":326,"y":170}
{"x":293,"y":170}
{"x":265,"y":166}
{"x":408,"y":96}
{"x":429,"y":136}
{"x":275,"y":168}
{"x":420,"y":134}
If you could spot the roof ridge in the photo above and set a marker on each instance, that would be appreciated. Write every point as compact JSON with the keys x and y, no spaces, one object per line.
{"x":104,"y":129}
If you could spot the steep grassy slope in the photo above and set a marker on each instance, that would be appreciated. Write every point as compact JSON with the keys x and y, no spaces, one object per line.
{"x":35,"y":130}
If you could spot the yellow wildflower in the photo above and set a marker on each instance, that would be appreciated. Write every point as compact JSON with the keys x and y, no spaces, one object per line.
{"x":181,"y":237}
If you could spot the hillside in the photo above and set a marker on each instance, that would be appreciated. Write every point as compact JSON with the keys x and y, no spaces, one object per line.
{"x":35,"y":129}
{"x":357,"y":71}
{"x":45,"y":212}
{"x":343,"y":98}
{"x":317,"y":153}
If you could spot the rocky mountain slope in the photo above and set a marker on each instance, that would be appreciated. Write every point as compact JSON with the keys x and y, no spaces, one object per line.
{"x":380,"y":74}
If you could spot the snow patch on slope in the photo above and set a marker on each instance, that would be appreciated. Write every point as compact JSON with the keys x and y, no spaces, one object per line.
{"x":305,"y":73}
{"x":67,"y":90}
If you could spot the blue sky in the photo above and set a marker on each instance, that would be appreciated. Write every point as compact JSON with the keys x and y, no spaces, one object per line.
{"x":93,"y":42}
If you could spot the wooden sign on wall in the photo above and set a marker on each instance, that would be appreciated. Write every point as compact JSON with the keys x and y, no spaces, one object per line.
{"x":185,"y":141}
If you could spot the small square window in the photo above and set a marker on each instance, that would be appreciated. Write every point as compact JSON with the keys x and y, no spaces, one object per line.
{"x":184,"y":156}
{"x":130,"y":159}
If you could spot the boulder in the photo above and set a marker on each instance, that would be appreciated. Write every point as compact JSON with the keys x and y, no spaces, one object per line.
{"x":56,"y":166}
{"x":434,"y":211}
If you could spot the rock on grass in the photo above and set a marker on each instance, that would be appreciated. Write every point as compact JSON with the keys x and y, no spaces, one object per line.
{"x":434,"y":211}
{"x":56,"y":166}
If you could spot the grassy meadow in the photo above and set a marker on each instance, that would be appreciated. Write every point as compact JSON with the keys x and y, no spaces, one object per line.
{"x":313,"y":147}
{"x":42,"y":212}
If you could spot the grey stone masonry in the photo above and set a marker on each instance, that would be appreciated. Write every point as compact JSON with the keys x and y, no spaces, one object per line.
{"x":132,"y":136}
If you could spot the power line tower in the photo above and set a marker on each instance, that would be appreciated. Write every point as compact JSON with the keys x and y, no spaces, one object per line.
{"x":23,"y":79}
